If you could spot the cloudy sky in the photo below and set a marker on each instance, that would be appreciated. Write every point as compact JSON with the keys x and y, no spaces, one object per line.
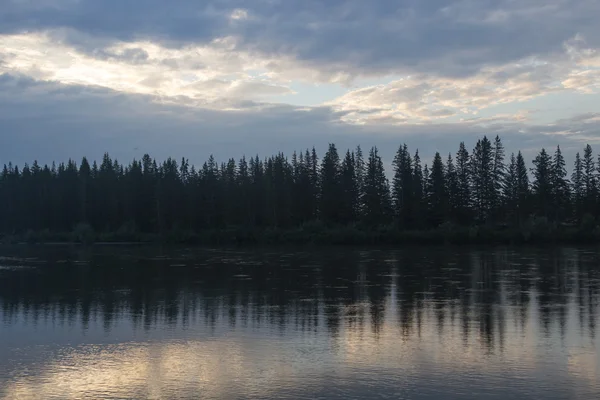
{"x":232,"y":77}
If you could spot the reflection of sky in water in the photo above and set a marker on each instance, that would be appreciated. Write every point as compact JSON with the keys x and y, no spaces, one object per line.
{"x":422,"y":326}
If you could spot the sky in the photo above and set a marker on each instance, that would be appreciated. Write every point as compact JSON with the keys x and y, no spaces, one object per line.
{"x":229,"y":77}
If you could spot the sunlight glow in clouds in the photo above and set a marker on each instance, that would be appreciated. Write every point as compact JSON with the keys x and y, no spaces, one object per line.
{"x":217,"y":75}
{"x":425,"y":97}
{"x":203,"y":75}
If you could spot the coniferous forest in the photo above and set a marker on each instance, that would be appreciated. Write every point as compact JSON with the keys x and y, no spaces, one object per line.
{"x":475,"y":196}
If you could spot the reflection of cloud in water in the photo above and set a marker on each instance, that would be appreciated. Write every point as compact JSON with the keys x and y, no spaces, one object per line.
{"x":148,"y":370}
{"x":261,"y":366}
{"x":585,"y":365}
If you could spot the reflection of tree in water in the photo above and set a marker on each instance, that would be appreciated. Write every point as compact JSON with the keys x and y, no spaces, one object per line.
{"x":478,"y":292}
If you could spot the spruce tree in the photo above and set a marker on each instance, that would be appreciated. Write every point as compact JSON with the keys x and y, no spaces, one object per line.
{"x":402,"y":188}
{"x":377,"y":191}
{"x":437,"y":193}
{"x":542,"y":183}
{"x":418,"y":196}
{"x":452,"y":189}
{"x":85,"y":194}
{"x":510,"y":192}
{"x":360,"y":177}
{"x":350,"y":193}
{"x":589,"y":181}
{"x":560,"y":187}
{"x":578,"y":194}
{"x":523,"y":192}
{"x":331,"y":193}
{"x":482,"y":174}
{"x":499,"y":170}
{"x":463,"y":178}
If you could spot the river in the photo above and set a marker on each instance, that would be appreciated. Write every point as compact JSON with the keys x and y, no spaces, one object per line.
{"x":109,"y":322}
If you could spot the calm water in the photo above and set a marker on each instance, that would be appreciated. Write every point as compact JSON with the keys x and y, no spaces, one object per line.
{"x":430,"y":323}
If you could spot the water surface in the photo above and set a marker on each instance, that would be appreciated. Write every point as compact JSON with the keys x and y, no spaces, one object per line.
{"x":418,"y":323}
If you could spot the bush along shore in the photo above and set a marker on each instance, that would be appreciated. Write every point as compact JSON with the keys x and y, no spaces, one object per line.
{"x":536,"y":231}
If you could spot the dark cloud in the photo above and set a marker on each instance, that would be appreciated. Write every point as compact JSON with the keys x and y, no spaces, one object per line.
{"x":452,"y":37}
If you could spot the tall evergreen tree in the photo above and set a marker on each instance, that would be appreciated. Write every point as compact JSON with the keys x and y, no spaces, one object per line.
{"x":402,"y":188}
{"x":437,"y":193}
{"x":350,"y":191}
{"x":452,"y":189}
{"x":542,"y":183}
{"x":589,"y":181}
{"x":377,"y":191}
{"x":85,"y":177}
{"x":511,"y":191}
{"x":418,"y":194}
{"x":331,"y":192}
{"x":482,"y":174}
{"x":360,"y":176}
{"x":560,"y":187}
{"x":499,"y":170}
{"x":578,"y":194}
{"x":523,"y":190}
{"x":463,"y":178}
{"x":315,"y":182}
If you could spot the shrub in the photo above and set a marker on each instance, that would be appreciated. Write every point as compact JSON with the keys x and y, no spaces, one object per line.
{"x":84,"y":233}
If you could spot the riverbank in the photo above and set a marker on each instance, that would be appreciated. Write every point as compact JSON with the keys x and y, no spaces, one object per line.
{"x":322,"y":236}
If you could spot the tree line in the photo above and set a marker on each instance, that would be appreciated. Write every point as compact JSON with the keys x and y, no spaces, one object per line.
{"x":480,"y":188}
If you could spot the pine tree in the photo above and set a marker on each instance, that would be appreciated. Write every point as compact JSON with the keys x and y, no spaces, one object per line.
{"x":350,"y":193}
{"x":522,"y":189}
{"x":542,"y":183}
{"x":279,"y":181}
{"x":589,"y":181}
{"x":243,"y":191}
{"x":84,"y":175}
{"x":330,"y":186}
{"x":511,"y":191}
{"x":499,"y":170}
{"x":463,"y":178}
{"x":402,"y":189}
{"x":418,"y":195}
{"x":314,"y":183}
{"x":560,"y":187}
{"x":377,"y":191}
{"x":578,"y":194}
{"x":360,"y":177}
{"x":437,"y":194}
{"x":482,"y":173}
{"x":452,"y":189}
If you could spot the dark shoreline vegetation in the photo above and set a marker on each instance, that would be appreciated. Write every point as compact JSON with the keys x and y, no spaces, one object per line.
{"x":470,"y":198}
{"x":539,"y":234}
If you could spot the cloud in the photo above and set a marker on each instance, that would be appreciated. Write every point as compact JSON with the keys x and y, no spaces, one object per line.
{"x":424,"y":97}
{"x":446,"y":37}
{"x":239,"y":14}
{"x":50,"y":121}
{"x":209,"y":74}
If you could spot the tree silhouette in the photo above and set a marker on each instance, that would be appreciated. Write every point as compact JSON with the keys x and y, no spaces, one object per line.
{"x":254,"y":194}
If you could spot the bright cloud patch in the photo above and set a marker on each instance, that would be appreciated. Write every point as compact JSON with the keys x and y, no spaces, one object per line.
{"x":205,"y":75}
{"x":424,"y":97}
